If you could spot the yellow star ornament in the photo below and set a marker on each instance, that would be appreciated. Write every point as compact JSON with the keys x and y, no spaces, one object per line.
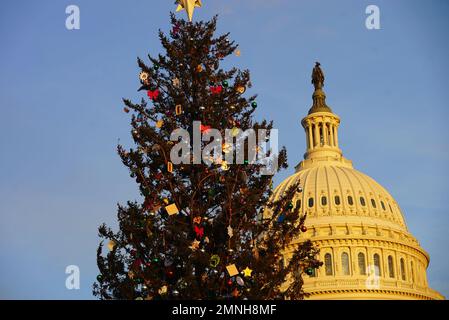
{"x":189,"y":6}
{"x":247,"y":272}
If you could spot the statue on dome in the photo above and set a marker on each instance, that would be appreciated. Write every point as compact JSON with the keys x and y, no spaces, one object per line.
{"x":317,"y":77}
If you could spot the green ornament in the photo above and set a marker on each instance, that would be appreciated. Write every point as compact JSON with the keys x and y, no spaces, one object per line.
{"x":156,"y":66}
{"x":100,"y":278}
{"x":246,"y":162}
{"x":225,"y":84}
{"x":290,"y":205}
{"x":156,"y":260}
{"x":309,"y":271}
{"x":254,"y":104}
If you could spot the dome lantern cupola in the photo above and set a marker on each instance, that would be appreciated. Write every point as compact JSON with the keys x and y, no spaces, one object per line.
{"x":321,"y":126}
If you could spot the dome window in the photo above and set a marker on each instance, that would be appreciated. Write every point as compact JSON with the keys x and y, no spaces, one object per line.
{"x":350,"y":200}
{"x":362,"y":263}
{"x":345,"y":263}
{"x":391,"y":210}
{"x":323,"y":201}
{"x":383,"y":205}
{"x":373,"y":203}
{"x":328,"y":264}
{"x":390,"y":267}
{"x":403,"y":269}
{"x":376,"y":259}
{"x":310,"y":202}
{"x":337,"y":200}
{"x":298,"y":203}
{"x":362,"y":201}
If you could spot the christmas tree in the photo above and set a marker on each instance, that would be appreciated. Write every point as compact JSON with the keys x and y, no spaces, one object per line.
{"x":205,"y":227}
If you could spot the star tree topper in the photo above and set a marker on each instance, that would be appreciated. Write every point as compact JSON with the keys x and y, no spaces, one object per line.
{"x":189,"y":6}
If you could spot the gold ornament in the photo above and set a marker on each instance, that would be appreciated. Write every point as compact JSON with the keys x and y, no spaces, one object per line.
{"x":232,"y":270}
{"x":241,"y":89}
{"x":159,"y":124}
{"x":163,"y":290}
{"x":144,"y":76}
{"x":197,"y":220}
{"x":111,"y":245}
{"x":214,"y":260}
{"x":238,"y":53}
{"x":199,"y":68}
{"x":224,"y":165}
{"x":178,"y":109}
{"x":170,"y":167}
{"x":227,"y":147}
{"x":189,"y":6}
{"x":247,"y":272}
{"x":235,"y":131}
{"x":195,"y":245}
{"x":172,"y":209}
{"x":230,"y":232}
{"x":176,"y":82}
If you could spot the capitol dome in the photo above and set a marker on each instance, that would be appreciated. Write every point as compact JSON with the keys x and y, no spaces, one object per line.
{"x":366,"y":248}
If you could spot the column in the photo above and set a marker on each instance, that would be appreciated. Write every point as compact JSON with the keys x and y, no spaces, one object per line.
{"x":336,"y":136}
{"x":331,"y":128}
{"x":317,"y":135}
{"x":325,"y":137}
{"x":310,"y":136}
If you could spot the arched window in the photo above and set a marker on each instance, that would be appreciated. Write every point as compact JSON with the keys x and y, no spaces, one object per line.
{"x":383,"y":205}
{"x":310,"y":202}
{"x":373,"y":203}
{"x":345,"y":263}
{"x":350,"y":201}
{"x":362,"y":263}
{"x":376,"y":259}
{"x":412,"y":273}
{"x":390,"y":267}
{"x":337,"y":200}
{"x":323,"y":201}
{"x":298,"y":203}
{"x":362,"y":201}
{"x":391,"y":210}
{"x":402,"y":269}
{"x":328,"y":264}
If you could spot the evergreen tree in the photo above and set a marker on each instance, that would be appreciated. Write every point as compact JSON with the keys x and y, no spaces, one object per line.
{"x":204,"y":229}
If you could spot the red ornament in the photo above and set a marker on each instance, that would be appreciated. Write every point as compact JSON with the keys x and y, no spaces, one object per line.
{"x":303,"y":228}
{"x":153,"y":94}
{"x":199,"y":231}
{"x":158,"y":175}
{"x":216,"y":89}
{"x":204,"y":129}
{"x":229,"y":282}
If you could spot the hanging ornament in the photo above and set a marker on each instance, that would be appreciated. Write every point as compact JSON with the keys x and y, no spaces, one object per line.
{"x":239,"y":281}
{"x":159,"y":124}
{"x":99,"y":278}
{"x":247,"y":272}
{"x":126,"y":110}
{"x":204,"y":129}
{"x":227,"y":147}
{"x":156,"y":66}
{"x":172,"y":209}
{"x":303,"y":228}
{"x":163,"y":290}
{"x":290,"y":205}
{"x":197,"y":220}
{"x":199,"y":231}
{"x":224,"y":165}
{"x":169,"y":167}
{"x":235,"y":131}
{"x":216,"y":89}
{"x":309,"y":271}
{"x":144,"y":76}
{"x":232,"y":270}
{"x":237,"y":52}
{"x":176,"y":83}
{"x":254,"y":104}
{"x":199,"y":68}
{"x":281,"y":218}
{"x":178,"y":109}
{"x":214,"y":260}
{"x":225,"y":84}
{"x":230,"y":231}
{"x":195,"y":245}
{"x":241,"y":89}
{"x":206,"y":240}
{"x":153,"y":94}
{"x":111,"y":245}
{"x":299,"y":189}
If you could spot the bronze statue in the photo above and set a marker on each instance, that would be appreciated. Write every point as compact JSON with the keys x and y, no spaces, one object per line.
{"x":317,"y":77}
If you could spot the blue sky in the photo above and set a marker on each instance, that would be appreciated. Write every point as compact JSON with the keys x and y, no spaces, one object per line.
{"x":61,"y":114}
